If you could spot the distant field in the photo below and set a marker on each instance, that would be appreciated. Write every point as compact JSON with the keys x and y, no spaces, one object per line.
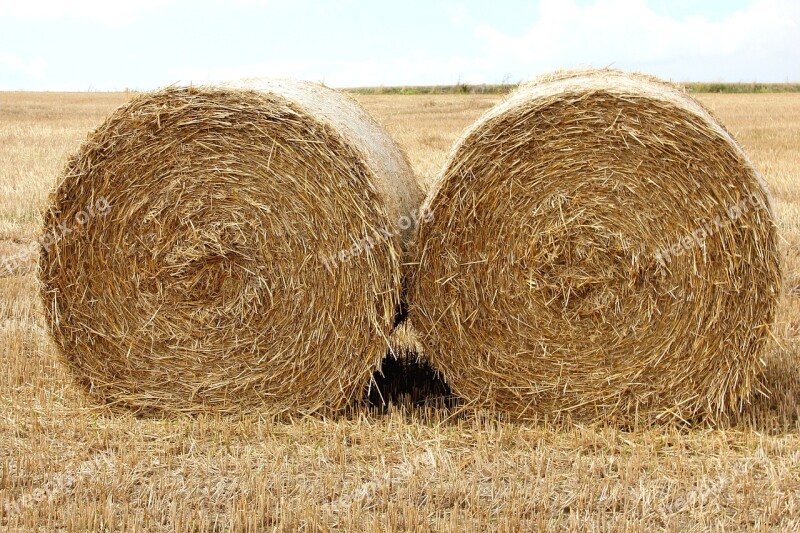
{"x":67,"y":464}
{"x":693,"y":87}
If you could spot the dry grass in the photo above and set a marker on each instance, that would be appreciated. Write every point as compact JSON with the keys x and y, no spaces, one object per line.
{"x":411,"y":469}
{"x":599,"y":246}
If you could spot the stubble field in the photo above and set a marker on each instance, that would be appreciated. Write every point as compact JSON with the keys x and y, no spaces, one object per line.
{"x":68,"y":464}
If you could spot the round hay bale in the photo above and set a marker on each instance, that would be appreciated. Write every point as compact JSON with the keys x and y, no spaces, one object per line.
{"x":599,"y":247}
{"x":219,"y":249}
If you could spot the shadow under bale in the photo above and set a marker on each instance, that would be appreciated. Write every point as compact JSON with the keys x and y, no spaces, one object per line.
{"x":409,"y":382}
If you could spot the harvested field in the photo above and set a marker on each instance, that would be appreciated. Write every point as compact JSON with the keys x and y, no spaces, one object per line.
{"x":67,"y":463}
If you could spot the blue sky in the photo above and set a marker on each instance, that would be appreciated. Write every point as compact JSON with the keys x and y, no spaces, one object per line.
{"x":103,"y":45}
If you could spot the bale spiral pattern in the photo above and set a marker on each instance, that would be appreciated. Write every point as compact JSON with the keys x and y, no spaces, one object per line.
{"x":599,"y":247}
{"x":205,"y":285}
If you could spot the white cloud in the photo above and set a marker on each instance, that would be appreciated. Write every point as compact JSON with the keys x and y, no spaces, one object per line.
{"x":34,"y":68}
{"x":458,"y":14}
{"x":107,"y":12}
{"x":761,"y":41}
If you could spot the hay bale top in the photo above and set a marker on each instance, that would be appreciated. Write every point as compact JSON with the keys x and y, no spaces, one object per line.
{"x":543,"y":90}
{"x":392,"y":172}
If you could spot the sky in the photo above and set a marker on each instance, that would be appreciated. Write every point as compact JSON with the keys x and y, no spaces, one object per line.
{"x":144,"y":44}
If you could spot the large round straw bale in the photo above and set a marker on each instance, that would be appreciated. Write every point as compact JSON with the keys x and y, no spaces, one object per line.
{"x":599,"y":246}
{"x":218,"y":248}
